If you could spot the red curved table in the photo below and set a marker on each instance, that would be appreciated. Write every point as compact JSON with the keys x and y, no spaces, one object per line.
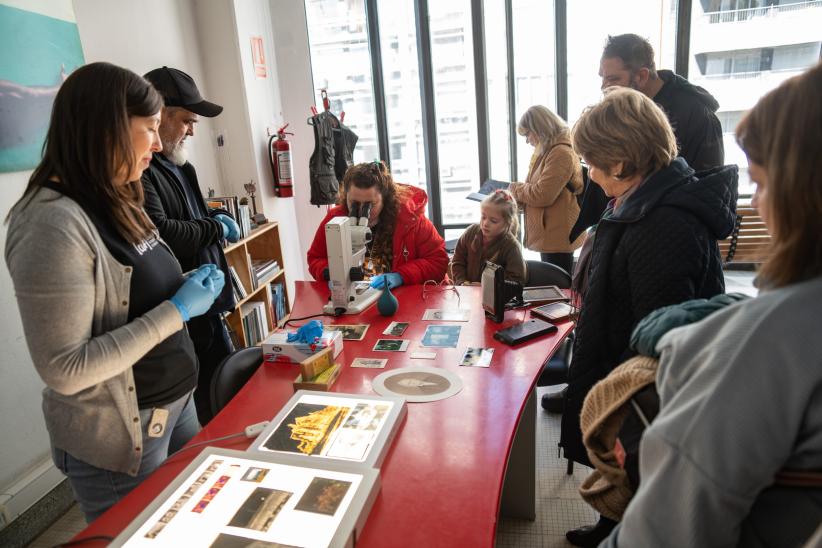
{"x":444,"y":481}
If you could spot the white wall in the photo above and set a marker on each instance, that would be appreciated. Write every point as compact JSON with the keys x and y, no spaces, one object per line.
{"x":252,"y":106}
{"x":145,"y":35}
{"x":297,"y":95}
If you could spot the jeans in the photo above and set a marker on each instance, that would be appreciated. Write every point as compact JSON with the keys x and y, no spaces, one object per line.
{"x":562,"y":260}
{"x":96,"y":490}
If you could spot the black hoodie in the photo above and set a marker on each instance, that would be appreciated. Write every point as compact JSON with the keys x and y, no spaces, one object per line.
{"x":660,"y":248}
{"x":692,"y":113}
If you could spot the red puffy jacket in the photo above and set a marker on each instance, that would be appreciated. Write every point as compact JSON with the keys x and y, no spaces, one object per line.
{"x":419,"y":251}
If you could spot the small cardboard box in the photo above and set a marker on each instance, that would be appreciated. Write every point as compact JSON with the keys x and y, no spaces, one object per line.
{"x":321,"y":382}
{"x":277,"y":349}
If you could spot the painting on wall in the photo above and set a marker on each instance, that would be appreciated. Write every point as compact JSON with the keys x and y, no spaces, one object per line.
{"x":39,"y":48}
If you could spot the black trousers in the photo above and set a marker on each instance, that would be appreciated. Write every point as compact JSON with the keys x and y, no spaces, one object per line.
{"x":562,"y":260}
{"x":212,"y":344}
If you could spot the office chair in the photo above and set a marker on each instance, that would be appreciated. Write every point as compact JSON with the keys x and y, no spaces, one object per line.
{"x":232,"y":374}
{"x":541,"y":273}
{"x":555,"y":370}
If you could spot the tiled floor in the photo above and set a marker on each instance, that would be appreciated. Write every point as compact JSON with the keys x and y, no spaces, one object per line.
{"x":559,"y":506}
{"x":69,"y":524}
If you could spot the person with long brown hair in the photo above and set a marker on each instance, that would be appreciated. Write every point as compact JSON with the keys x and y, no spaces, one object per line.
{"x":734,"y":457}
{"x":101,"y":296}
{"x":405,"y":247}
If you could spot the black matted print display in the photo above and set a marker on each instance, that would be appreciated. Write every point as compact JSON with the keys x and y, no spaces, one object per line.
{"x":307,"y":429}
{"x":323,"y":496}
{"x":260,"y":509}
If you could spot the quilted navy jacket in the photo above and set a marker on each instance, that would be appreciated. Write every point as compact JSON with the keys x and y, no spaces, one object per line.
{"x":659,"y":249}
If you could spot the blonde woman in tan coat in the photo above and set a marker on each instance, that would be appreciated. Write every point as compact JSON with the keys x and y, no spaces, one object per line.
{"x":548,"y":195}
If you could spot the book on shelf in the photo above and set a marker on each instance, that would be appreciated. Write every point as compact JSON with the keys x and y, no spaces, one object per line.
{"x":255,"y":323}
{"x":237,"y":283}
{"x":244,"y":220}
{"x":276,"y":294}
{"x":263,"y":270}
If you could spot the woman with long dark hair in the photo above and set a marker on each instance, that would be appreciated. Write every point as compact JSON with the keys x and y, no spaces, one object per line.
{"x":405,"y":248}
{"x":101,"y":297}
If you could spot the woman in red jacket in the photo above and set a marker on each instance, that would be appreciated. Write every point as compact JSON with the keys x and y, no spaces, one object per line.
{"x":405,"y":247}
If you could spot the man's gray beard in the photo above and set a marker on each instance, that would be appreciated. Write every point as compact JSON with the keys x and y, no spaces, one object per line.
{"x":177,"y":155}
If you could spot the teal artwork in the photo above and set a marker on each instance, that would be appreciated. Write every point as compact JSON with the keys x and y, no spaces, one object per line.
{"x":37,"y":52}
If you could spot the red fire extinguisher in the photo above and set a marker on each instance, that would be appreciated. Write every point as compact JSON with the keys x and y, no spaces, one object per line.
{"x":280,"y":158}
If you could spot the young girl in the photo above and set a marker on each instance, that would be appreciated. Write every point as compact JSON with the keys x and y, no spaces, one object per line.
{"x":493,"y":239}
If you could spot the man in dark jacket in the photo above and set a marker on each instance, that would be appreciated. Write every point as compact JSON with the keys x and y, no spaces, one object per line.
{"x":175,"y":204}
{"x":628,"y":61}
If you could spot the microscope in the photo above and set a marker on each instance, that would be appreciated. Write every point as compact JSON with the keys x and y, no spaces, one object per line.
{"x":346,"y":240}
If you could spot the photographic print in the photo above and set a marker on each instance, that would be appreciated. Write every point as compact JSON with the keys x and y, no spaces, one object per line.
{"x":396,"y":329}
{"x":477,"y":357}
{"x":366,"y":416}
{"x":351,"y":444}
{"x":454,"y":315}
{"x":306,"y":429}
{"x":323,"y":496}
{"x":349,"y":332}
{"x":257,"y":475}
{"x":391,"y":345}
{"x":225,"y":540}
{"x":260,"y":509}
{"x":210,"y":494}
{"x":369,"y":363}
{"x":442,"y":336}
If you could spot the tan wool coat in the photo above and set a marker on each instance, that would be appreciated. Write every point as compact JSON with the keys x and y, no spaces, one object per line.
{"x":550,"y":208}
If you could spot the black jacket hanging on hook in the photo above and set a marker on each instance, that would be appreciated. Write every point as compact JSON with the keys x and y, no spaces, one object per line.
{"x":333,"y":154}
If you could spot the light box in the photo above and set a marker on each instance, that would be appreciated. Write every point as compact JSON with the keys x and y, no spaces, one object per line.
{"x":355,"y":428}
{"x":227,"y":499}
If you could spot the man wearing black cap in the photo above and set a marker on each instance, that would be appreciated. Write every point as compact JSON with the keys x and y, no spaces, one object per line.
{"x":175,"y":203}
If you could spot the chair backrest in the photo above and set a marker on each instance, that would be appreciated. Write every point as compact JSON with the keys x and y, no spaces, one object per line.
{"x":232,"y":374}
{"x":541,"y":273}
{"x":749,"y":241}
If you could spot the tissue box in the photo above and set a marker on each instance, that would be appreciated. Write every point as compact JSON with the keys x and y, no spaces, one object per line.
{"x":277,"y":349}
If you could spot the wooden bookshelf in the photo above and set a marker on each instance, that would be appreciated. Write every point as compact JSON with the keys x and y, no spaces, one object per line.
{"x":262,"y":243}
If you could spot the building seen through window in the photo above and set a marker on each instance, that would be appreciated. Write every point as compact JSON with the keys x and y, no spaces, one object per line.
{"x":739,"y":50}
{"x":742,"y":49}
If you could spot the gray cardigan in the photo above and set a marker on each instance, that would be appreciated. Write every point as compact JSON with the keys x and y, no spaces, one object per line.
{"x":741,"y":398}
{"x":73,"y":299}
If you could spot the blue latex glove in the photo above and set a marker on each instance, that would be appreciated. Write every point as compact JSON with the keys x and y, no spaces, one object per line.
{"x":392,"y":279}
{"x":308,"y":333}
{"x":217,"y":278}
{"x":231,"y":231}
{"x":198,"y":292}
